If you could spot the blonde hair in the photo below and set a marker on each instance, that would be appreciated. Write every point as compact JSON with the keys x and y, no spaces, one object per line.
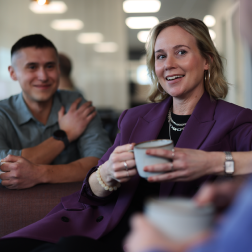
{"x":217,"y":87}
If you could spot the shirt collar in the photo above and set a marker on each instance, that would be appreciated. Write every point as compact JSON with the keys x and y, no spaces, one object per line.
{"x":24,"y":114}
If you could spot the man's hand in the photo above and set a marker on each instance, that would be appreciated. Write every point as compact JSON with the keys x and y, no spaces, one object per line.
{"x":220,"y":194}
{"x":19,"y":173}
{"x":76,"y":120}
{"x":145,"y":237}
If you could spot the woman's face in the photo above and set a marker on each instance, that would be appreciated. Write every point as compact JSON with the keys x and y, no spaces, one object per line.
{"x":179,"y":65}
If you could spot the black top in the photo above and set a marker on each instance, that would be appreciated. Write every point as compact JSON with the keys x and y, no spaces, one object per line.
{"x":144,"y":190}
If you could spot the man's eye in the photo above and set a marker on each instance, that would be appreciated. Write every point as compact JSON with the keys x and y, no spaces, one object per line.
{"x":31,"y":67}
{"x":50,"y":66}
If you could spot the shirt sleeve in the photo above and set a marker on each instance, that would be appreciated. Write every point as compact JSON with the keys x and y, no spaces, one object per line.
{"x":94,"y":141}
{"x":7,"y":134}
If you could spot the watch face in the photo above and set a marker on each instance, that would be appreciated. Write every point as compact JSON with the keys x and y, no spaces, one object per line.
{"x":229,"y":167}
{"x":59,"y":133}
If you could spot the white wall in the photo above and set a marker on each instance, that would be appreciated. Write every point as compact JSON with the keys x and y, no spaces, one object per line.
{"x":101,"y":76}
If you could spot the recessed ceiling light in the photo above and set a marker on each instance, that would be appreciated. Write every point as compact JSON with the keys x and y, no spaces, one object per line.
{"x":41,"y":2}
{"x":53,"y":7}
{"x":142,"y":36}
{"x":131,"y":6}
{"x":106,"y":47}
{"x":67,"y":24}
{"x":141,"y":22}
{"x":90,"y":38}
{"x":212,"y":34}
{"x":209,"y":20}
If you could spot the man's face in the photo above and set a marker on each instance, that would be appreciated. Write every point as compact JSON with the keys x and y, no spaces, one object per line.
{"x":37,"y":71}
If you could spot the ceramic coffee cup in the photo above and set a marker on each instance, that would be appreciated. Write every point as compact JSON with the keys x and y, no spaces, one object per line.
{"x":179,"y":218}
{"x":142,"y":159}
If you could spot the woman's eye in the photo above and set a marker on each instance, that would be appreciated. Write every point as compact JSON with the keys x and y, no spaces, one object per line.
{"x":182,"y":52}
{"x":160,"y":57}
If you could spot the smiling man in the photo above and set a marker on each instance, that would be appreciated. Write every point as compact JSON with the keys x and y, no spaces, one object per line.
{"x":46,"y":135}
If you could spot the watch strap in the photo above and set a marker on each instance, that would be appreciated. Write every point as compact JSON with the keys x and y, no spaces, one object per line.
{"x":62,"y":136}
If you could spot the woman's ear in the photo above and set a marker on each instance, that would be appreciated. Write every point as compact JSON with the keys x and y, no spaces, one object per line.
{"x":208,"y":62}
{"x":12,"y":73}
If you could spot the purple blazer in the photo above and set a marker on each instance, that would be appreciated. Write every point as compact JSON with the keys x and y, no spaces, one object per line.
{"x":213,"y":126}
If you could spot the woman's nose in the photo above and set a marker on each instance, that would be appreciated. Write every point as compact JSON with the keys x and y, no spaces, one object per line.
{"x":169,"y":62}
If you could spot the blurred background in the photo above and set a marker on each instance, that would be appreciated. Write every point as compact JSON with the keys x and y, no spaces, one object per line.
{"x":105,"y":40}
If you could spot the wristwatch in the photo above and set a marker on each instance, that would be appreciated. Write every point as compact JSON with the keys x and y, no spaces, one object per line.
{"x":62,"y":136}
{"x":229,"y":163}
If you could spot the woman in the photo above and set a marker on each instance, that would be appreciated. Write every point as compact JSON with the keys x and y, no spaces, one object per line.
{"x":188,"y":82}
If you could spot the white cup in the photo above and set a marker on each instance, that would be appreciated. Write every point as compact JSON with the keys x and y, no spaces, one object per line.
{"x":142,"y":159}
{"x":179,"y":218}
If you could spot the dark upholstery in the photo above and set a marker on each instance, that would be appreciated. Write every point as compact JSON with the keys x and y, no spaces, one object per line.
{"x":19,"y":208}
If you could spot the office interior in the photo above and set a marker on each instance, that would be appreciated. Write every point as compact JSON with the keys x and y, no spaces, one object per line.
{"x":108,"y":54}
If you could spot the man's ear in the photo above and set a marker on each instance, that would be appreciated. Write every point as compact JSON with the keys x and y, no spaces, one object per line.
{"x":12,"y":73}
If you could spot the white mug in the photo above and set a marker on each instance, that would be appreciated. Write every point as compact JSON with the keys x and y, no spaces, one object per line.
{"x":179,"y":218}
{"x":142,"y":159}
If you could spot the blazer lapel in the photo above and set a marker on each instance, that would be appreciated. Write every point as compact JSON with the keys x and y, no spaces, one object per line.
{"x":197,"y":129}
{"x":149,"y":126}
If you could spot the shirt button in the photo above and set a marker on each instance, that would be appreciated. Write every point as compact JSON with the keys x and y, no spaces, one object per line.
{"x":65,"y":219}
{"x":100,"y":218}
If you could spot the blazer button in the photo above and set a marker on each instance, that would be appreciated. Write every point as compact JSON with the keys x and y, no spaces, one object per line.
{"x":100,"y":218}
{"x":65,"y":219}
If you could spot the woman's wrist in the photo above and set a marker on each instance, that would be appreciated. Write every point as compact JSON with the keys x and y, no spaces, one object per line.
{"x":106,"y":178}
{"x":215,"y":163}
{"x":103,"y":184}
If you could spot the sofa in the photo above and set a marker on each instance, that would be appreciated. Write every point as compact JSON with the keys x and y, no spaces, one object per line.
{"x":19,"y":208}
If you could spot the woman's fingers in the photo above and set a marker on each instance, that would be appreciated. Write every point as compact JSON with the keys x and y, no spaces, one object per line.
{"x":169,"y":154}
{"x":124,"y":148}
{"x":171,"y":176}
{"x":124,"y":176}
{"x":162,"y":167}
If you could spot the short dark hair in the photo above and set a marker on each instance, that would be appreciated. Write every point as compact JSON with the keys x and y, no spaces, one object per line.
{"x":34,"y":40}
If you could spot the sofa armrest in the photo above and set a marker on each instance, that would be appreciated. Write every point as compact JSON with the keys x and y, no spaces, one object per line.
{"x":19,"y":208}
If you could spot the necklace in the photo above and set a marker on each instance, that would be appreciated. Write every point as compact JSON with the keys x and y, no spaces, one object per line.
{"x":170,"y":121}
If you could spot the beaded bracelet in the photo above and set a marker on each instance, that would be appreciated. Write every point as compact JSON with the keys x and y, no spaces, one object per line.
{"x":106,"y":187}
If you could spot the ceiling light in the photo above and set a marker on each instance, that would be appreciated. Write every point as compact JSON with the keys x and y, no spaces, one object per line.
{"x":106,"y":47}
{"x":141,"y":22}
{"x":212,"y":34}
{"x":90,"y":38}
{"x":53,"y":7}
{"x":67,"y":24}
{"x":209,"y":20}
{"x":130,"y":6}
{"x":42,"y":2}
{"x":142,"y":36}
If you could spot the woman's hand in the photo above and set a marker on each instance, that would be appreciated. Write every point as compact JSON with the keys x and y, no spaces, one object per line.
{"x":187,"y":164}
{"x":121,"y":166}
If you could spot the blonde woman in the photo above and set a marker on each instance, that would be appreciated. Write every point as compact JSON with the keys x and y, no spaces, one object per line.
{"x":188,"y":86}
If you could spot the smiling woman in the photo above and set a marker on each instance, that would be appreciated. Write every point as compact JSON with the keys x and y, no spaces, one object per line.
{"x":186,"y":108}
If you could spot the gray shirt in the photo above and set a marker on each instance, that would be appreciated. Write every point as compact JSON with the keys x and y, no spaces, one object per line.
{"x":19,"y":129}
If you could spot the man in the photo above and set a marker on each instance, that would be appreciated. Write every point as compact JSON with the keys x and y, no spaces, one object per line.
{"x":46,"y":136}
